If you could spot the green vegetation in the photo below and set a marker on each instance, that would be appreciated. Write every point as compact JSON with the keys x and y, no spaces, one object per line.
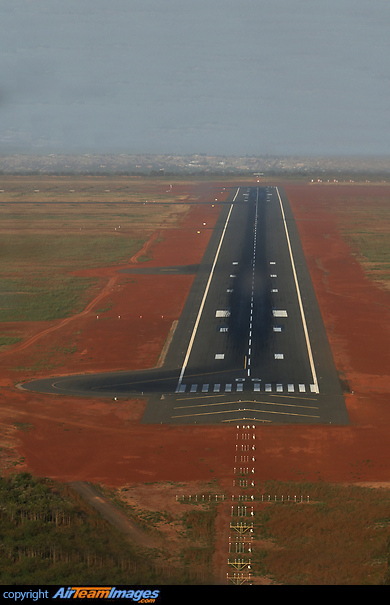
{"x":375,"y":247}
{"x":366,"y":226}
{"x":340,"y":537}
{"x":373,"y":252}
{"x":36,"y":283}
{"x":200,"y":526}
{"x":196,"y":528}
{"x":52,"y":227}
{"x":7,"y":340}
{"x":39,"y":299}
{"x":43,"y":289}
{"x":49,"y":535}
{"x":61,"y":250}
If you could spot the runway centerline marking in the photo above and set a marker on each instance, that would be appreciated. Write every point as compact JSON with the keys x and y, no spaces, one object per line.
{"x":311,"y":359}
{"x":205,"y":296}
{"x":247,"y":361}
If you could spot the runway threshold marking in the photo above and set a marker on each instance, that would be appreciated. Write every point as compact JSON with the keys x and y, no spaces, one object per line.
{"x":205,"y":296}
{"x":309,"y":350}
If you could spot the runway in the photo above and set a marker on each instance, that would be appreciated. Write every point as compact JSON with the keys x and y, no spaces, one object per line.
{"x":250,"y":343}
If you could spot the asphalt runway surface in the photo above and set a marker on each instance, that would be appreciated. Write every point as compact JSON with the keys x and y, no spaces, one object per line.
{"x":250,"y":344}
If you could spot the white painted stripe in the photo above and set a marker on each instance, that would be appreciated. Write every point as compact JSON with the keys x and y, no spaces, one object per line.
{"x":190,"y":345}
{"x":205,"y":388}
{"x":278,"y":356}
{"x":194,"y":388}
{"x":240,"y":386}
{"x":290,"y":388}
{"x":279,"y":388}
{"x":279,"y":313}
{"x":228,"y":388}
{"x":217,"y":388}
{"x":222,"y":313}
{"x":219,"y":356}
{"x":234,"y":199}
{"x":182,"y":388}
{"x":313,"y":370}
{"x":302,"y":388}
{"x":268,"y":388}
{"x":257,"y":386}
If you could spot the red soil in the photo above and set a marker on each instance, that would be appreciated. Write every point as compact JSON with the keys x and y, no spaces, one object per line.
{"x":71,"y":438}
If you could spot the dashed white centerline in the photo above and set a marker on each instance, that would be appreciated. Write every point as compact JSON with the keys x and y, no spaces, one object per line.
{"x":248,"y":357}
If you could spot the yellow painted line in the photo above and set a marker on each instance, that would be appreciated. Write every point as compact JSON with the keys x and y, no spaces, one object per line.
{"x":201,"y":397}
{"x":292,"y":397}
{"x":203,"y":405}
{"x":289,"y":405}
{"x":245,"y":410}
{"x":281,"y":413}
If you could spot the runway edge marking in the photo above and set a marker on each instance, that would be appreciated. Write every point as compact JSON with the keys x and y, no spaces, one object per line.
{"x":311,"y":359}
{"x":204,"y":296}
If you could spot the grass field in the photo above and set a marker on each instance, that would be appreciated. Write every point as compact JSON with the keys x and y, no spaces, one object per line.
{"x":366,"y":226}
{"x":53,"y":226}
{"x":75,"y":189}
{"x":340,"y":537}
{"x":373,"y":250}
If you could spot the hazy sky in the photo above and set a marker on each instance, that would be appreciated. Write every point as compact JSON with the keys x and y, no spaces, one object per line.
{"x":232,"y":77}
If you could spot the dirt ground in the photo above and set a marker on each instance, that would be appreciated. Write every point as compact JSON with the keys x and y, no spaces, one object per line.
{"x":101,"y":440}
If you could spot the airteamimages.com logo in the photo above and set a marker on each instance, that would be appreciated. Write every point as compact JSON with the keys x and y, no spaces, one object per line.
{"x":99,"y":592}
{"x":85,"y":592}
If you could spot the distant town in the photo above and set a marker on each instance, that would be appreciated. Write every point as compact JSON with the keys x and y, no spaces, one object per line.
{"x":196,"y":164}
